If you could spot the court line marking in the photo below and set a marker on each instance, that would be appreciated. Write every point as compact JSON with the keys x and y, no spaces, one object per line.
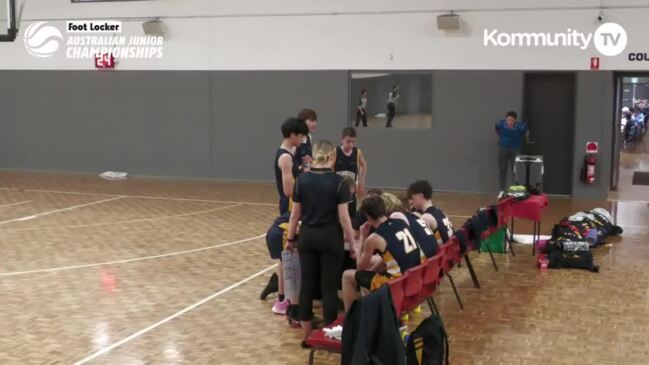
{"x":135,"y":196}
{"x":141,"y":332}
{"x":14,"y":204}
{"x":30,"y":217}
{"x":118,"y":262}
{"x":124,"y":222}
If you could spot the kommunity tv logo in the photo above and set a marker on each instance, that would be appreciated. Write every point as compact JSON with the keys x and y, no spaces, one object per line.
{"x":610,"y":39}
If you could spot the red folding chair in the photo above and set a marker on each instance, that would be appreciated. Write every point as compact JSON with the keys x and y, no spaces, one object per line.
{"x":448,"y":250}
{"x":432,"y":277}
{"x":397,"y":290}
{"x":469,"y":246}
{"x":320,"y":342}
{"x":412,"y":289}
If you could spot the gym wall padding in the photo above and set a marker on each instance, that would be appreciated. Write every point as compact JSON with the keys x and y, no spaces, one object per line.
{"x":225,"y":124}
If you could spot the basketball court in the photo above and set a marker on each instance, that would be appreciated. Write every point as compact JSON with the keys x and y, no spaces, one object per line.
{"x":169,"y":271}
{"x":166,"y":266}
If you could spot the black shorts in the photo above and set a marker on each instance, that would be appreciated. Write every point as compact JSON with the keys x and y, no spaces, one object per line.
{"x":275,"y":242}
{"x":371,"y":280}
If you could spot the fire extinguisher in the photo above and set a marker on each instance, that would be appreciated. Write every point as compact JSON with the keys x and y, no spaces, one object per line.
{"x":588,"y":170}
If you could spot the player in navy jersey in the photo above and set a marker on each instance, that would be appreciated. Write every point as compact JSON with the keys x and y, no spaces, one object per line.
{"x":422,"y":233}
{"x":286,"y":168}
{"x":394,"y":242}
{"x":304,"y":153}
{"x":351,"y":163}
{"x":285,"y":174}
{"x":420,"y":194}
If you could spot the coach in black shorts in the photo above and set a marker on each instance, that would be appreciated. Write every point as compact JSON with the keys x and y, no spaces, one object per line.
{"x":320,"y":201}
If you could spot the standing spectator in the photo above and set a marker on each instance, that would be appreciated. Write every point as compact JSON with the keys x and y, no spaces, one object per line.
{"x":511,"y":134}
{"x":361,"y":109}
{"x":320,"y":202}
{"x":393,"y":97}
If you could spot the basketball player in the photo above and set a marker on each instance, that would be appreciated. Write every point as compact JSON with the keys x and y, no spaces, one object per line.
{"x":420,"y":194}
{"x":304,"y":155}
{"x":361,"y":109}
{"x":350,"y":162}
{"x":286,"y":168}
{"x":392,"y":239}
{"x":422,"y":233}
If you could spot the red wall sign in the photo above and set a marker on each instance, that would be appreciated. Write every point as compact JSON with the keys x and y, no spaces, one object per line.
{"x":592,"y":147}
{"x":594,"y":63}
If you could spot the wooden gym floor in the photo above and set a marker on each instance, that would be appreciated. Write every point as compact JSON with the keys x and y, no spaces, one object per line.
{"x":151,"y":271}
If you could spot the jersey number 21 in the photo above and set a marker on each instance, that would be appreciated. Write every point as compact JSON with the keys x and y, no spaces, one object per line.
{"x":409,"y":242}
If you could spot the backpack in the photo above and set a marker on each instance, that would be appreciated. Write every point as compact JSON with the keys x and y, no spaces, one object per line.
{"x":428,"y":345}
{"x":572,"y":260}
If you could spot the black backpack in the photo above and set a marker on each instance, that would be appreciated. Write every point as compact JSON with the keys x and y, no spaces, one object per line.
{"x":428,"y":345}
{"x":572,"y":260}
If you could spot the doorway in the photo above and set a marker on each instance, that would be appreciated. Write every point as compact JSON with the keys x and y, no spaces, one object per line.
{"x":549,"y":108}
{"x":630,"y":170}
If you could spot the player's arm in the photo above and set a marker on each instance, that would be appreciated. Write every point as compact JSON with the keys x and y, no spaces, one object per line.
{"x":362,"y":174}
{"x":372,"y":243}
{"x":430,"y":221}
{"x":286,"y":166}
{"x":346,"y":223}
{"x":296,"y":214}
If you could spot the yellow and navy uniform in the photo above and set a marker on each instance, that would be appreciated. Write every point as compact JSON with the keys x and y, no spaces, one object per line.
{"x":348,"y":165}
{"x":444,"y":230}
{"x":401,"y":251}
{"x":424,"y":236}
{"x":277,"y":236}
{"x":284,"y":201}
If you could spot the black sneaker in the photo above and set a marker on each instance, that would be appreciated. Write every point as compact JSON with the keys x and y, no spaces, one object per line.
{"x":271,"y":287}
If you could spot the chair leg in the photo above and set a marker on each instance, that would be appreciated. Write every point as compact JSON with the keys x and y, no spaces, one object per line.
{"x":432,"y":305}
{"x":537,"y":231}
{"x":493,"y":260}
{"x":457,"y":295}
{"x":509,"y":242}
{"x":311,"y":355}
{"x":469,"y":265}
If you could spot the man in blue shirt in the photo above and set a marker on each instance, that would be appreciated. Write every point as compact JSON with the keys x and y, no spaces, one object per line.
{"x":511,"y":134}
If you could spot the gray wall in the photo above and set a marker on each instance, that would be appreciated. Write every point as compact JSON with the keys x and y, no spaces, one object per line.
{"x":189,"y":124}
{"x":226,"y":124}
{"x":594,"y":122}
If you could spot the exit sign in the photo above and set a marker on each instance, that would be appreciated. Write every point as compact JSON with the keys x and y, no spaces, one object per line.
{"x":105,"y":61}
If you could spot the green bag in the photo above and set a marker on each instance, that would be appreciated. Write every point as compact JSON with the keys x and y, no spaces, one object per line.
{"x":496,"y":241}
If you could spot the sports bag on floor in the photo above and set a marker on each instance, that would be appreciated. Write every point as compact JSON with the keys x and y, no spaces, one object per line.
{"x":428,"y":345}
{"x":572,"y":260}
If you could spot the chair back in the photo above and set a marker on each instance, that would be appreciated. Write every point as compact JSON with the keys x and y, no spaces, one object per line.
{"x":397,"y":290}
{"x":413,"y":287}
